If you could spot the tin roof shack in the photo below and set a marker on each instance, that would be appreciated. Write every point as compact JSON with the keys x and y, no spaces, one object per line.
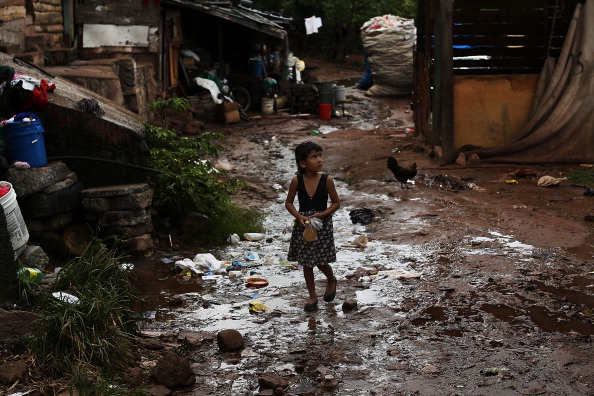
{"x":237,"y":43}
{"x":93,"y":147}
{"x":477,"y":66}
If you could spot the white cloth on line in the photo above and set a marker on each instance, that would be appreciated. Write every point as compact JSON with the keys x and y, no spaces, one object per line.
{"x":312,"y":24}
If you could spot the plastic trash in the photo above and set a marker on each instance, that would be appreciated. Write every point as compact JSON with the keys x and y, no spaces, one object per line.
{"x":66,"y":297}
{"x":27,"y":274}
{"x":256,"y":306}
{"x":256,"y":282}
{"x":212,"y":277}
{"x":251,"y":256}
{"x":254,"y":236}
{"x":233,"y":239}
{"x":234,"y":274}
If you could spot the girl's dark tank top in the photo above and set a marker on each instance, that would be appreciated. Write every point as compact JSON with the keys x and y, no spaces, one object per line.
{"x":319,"y":202}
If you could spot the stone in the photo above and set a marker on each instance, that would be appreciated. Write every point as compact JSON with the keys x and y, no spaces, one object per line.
{"x":115,"y":191}
{"x":173,"y":370}
{"x":192,"y":337}
{"x":27,"y":182}
{"x":74,"y":239}
{"x":158,"y":390}
{"x":193,"y":127}
{"x":139,"y":244}
{"x":272,"y":381}
{"x":124,"y":218}
{"x":139,"y":200}
{"x":134,"y":377}
{"x":12,"y":371}
{"x":230,"y":340}
{"x":8,"y":266}
{"x":34,"y":256}
{"x":52,"y":223}
{"x":46,"y":205}
{"x":195,"y":223}
{"x":70,"y":180}
{"x":128,"y":232}
{"x":349,"y":304}
{"x":14,"y":324}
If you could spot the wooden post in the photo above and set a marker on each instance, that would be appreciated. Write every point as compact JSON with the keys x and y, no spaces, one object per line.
{"x":443,"y":82}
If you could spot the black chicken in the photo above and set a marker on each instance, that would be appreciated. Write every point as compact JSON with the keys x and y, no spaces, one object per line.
{"x":403,"y":175}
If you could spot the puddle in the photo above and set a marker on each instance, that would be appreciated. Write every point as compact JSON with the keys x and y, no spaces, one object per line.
{"x":397,"y":326}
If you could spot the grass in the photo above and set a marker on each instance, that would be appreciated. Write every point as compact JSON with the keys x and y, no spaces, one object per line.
{"x":583,"y":177}
{"x":91,"y":341}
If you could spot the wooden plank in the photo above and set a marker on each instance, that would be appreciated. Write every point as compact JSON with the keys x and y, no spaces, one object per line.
{"x":498,"y":63}
{"x":510,"y":5}
{"x":498,"y":30}
{"x":502,"y":52}
{"x":504,"y":16}
{"x":499,"y":41}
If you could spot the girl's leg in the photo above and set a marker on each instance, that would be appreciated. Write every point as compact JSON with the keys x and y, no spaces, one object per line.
{"x":308,"y":274}
{"x":331,"y":284}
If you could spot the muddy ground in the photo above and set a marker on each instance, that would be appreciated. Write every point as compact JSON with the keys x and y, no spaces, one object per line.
{"x":467,"y":284}
{"x":503,"y":301}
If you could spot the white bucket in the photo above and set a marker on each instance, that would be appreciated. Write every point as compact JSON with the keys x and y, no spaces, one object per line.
{"x":267,"y":106}
{"x":339,"y":93}
{"x":14,"y":220}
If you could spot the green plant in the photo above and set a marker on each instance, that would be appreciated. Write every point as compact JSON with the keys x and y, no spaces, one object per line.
{"x":188,"y":181}
{"x":163,"y":106}
{"x":584,"y":177}
{"x":98,"y":330}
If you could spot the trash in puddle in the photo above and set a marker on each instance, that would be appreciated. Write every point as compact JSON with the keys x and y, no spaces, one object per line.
{"x":201,"y":263}
{"x":234,"y":274}
{"x":66,"y":297}
{"x":359,"y":242}
{"x":127,"y":267}
{"x":256,"y":306}
{"x":548,"y":181}
{"x":251,"y":256}
{"x":254,"y":236}
{"x":363,"y":216}
{"x":400,"y":274}
{"x":233,"y":239}
{"x":256,"y":282}
{"x":212,"y":277}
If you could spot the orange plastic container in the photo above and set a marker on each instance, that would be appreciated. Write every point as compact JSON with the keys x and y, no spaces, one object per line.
{"x":325,"y":111}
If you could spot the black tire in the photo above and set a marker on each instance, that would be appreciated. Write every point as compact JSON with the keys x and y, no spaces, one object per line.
{"x":241,"y":96}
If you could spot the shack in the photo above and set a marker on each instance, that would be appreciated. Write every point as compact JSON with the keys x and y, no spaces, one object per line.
{"x":481,"y":67}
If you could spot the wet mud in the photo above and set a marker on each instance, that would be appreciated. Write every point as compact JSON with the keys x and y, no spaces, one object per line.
{"x":465,"y":284}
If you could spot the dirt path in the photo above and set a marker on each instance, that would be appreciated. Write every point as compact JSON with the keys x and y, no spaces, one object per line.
{"x":503,"y":302}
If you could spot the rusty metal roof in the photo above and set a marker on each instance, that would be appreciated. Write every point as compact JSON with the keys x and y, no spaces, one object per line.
{"x":239,"y":15}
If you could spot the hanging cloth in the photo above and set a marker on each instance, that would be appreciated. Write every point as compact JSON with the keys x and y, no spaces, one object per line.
{"x":312,"y":24}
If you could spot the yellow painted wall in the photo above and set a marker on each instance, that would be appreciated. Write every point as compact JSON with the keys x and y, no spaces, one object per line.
{"x":491,"y":110}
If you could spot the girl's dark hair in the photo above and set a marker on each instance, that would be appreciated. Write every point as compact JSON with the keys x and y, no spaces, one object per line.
{"x":302,"y":151}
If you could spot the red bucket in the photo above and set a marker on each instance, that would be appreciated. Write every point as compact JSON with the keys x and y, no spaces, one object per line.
{"x":325,"y":111}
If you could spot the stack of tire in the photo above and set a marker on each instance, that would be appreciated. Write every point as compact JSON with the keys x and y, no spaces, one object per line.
{"x":121,"y":211}
{"x":49,"y":200}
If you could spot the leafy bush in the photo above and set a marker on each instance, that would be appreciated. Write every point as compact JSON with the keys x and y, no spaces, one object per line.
{"x":188,"y":181}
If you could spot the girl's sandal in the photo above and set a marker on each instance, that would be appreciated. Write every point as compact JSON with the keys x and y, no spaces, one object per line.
{"x":328,"y":297}
{"x":310,"y":307}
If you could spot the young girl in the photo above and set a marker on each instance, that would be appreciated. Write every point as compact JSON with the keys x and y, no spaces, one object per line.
{"x":312,"y":189}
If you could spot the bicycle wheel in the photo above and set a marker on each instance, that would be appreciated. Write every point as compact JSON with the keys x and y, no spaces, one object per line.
{"x":241,"y":96}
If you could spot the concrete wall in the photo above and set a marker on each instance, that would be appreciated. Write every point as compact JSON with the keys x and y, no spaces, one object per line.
{"x":491,"y":110}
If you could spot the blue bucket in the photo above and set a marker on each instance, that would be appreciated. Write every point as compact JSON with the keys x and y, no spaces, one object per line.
{"x":24,"y":140}
{"x":256,"y":67}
